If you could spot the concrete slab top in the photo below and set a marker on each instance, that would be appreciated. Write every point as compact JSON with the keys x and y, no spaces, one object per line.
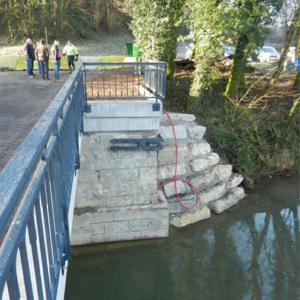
{"x":22,"y":102}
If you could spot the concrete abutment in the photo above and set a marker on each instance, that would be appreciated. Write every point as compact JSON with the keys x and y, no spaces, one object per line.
{"x":117,"y":196}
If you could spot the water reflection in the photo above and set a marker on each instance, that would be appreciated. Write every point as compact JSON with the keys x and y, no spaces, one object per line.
{"x":250,"y":253}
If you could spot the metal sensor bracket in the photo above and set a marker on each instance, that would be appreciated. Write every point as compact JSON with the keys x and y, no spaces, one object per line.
{"x":142,"y":144}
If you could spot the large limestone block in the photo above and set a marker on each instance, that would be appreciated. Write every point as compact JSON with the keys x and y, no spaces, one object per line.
{"x":89,"y":191}
{"x":165,"y":172}
{"x":120,"y":124}
{"x":196,"y":132}
{"x":201,"y":164}
{"x":213,"y":193}
{"x":200,"y":149}
{"x":187,"y":200}
{"x":177,"y":117}
{"x":186,"y":218}
{"x":234,"y":196}
{"x":168,"y":154}
{"x":128,"y":200}
{"x":120,"y":223}
{"x":96,"y":154}
{"x":182,"y":188}
{"x":234,"y":181}
{"x":203,"y":181}
{"x":167,"y":132}
{"x":223,"y":172}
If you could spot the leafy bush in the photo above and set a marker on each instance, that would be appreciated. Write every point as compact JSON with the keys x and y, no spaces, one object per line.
{"x":256,"y":141}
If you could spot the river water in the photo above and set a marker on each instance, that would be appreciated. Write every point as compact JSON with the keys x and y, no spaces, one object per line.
{"x":250,"y":252}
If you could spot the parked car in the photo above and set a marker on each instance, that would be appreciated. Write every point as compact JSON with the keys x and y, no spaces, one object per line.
{"x":229,"y":51}
{"x":268,"y":54}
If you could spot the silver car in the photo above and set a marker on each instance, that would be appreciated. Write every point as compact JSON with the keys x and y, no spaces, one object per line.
{"x":268,"y":54}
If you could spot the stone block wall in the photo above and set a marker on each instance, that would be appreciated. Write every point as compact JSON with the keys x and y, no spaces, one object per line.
{"x":117,"y":195}
{"x":213,"y":179}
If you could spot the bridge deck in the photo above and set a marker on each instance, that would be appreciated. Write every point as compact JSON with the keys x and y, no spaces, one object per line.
{"x":22,"y":102}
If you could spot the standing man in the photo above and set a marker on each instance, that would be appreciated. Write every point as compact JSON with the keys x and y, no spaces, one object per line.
{"x":72,"y":55}
{"x":43,"y":58}
{"x":29,"y":57}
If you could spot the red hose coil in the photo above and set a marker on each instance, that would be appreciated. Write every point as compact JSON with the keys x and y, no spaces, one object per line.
{"x":175,"y":179}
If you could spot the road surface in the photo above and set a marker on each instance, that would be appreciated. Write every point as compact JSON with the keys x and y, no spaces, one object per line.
{"x":22,"y":102}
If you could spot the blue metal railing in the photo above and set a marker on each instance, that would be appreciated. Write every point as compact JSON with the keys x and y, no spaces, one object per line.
{"x":125,"y":80}
{"x":35,"y":192}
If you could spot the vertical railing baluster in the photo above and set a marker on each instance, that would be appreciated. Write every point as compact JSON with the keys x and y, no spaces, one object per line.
{"x":53,"y":189}
{"x":103,"y":84}
{"x":138,"y":81}
{"x":144,"y":80}
{"x":127,"y":83}
{"x":49,"y":200}
{"x":133,"y":82}
{"x":26,"y":270}
{"x":92,"y":88}
{"x":156,"y":83}
{"x":12,"y":283}
{"x":98,"y":82}
{"x":48,"y":237}
{"x":45,"y":264}
{"x":115,"y":83}
{"x":36,"y":264}
{"x":109,"y":84}
{"x":121,"y":83}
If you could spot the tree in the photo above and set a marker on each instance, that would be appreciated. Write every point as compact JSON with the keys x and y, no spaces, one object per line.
{"x":291,"y":33}
{"x":252,"y":16}
{"x":155,"y":28}
{"x":208,"y":23}
{"x":19,"y":19}
{"x":215,"y":23}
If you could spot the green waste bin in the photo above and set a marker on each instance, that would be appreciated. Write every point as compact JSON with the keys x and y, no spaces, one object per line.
{"x":132,"y":50}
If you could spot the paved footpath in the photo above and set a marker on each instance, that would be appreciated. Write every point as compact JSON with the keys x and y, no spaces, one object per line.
{"x":22,"y":102}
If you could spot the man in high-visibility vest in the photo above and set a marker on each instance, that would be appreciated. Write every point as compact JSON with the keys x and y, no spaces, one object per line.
{"x":72,"y":55}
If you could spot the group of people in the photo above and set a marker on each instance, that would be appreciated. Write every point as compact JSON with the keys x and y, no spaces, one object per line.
{"x":42,"y":54}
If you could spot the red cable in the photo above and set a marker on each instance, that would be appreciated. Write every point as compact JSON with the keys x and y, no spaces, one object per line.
{"x":175,"y":179}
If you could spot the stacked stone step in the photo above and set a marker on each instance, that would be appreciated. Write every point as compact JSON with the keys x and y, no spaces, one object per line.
{"x":217,"y":185}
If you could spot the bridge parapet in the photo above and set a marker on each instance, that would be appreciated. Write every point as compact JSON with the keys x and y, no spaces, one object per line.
{"x":124,"y":96}
{"x":127,"y":80}
{"x":36,"y":189}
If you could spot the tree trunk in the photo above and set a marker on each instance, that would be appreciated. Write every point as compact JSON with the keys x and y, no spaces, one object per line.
{"x":288,"y":40}
{"x":237,"y":77}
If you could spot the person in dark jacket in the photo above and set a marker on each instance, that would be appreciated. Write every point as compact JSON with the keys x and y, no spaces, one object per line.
{"x":29,"y":57}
